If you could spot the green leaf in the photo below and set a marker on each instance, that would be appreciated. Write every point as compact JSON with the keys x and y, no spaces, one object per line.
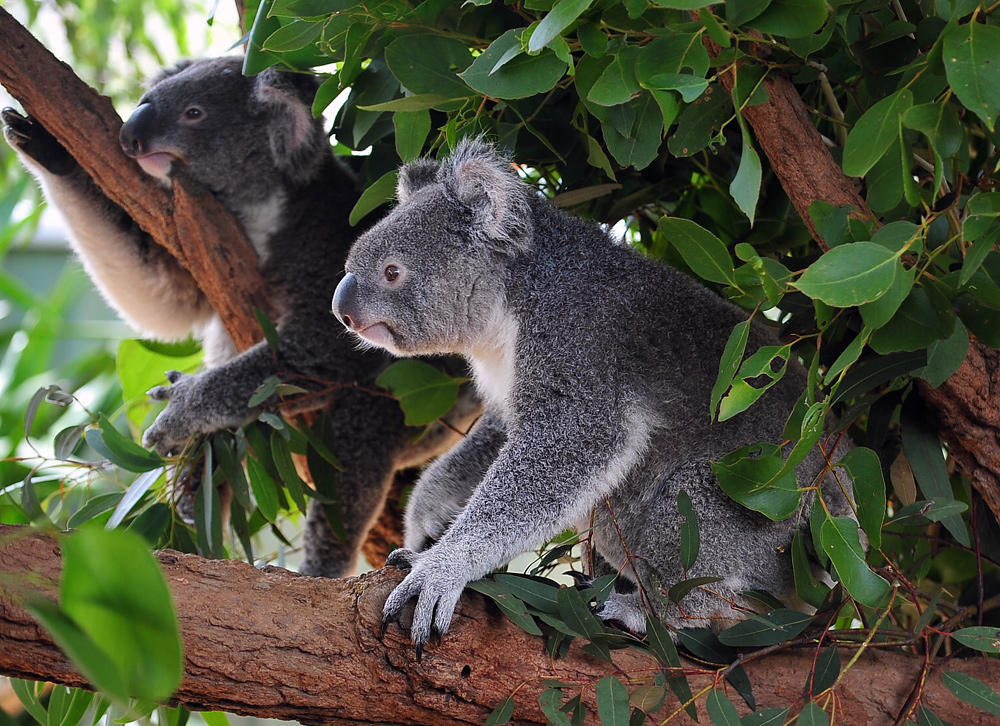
{"x":923,"y":450}
{"x":107,"y":441}
{"x":502,"y":713}
{"x":416,"y":102}
{"x":721,"y":711}
{"x":699,"y":123}
{"x":412,"y":128}
{"x":869,"y":491}
{"x":879,"y":312}
{"x":424,"y":393}
{"x":676,"y":53}
{"x":916,"y":325}
{"x":825,"y":674}
{"x":647,"y":699}
{"x":637,"y":146}
{"x":813,"y":715}
{"x":775,"y":626}
{"x":540,"y":593}
{"x":429,"y":63}
{"x":971,"y":58}
{"x":133,"y":494}
{"x":850,"y":274}
{"x":265,"y":491}
{"x":690,"y":541}
{"x":512,"y":607}
{"x":765,"y":717}
{"x":525,"y":75}
{"x":612,"y":702}
{"x":113,"y":590}
{"x":297,"y":34}
{"x":704,"y":253}
{"x":769,"y":362}
{"x":972,"y":691}
{"x":746,"y":475}
{"x":678,"y":591}
{"x":578,"y":617}
{"x":840,"y":541}
{"x":690,"y":87}
{"x":549,"y":703}
{"x":730,"y":362}
{"x":555,"y":22}
{"x":940,"y":123}
{"x":875,"y":132}
{"x":986,"y":639}
{"x":379,"y":193}
{"x":267,"y":388}
{"x":282,"y":457}
{"x":807,"y":587}
{"x":791,"y":18}
{"x":978,"y":252}
{"x":745,"y":186}
{"x":665,"y":652}
{"x":618,"y":84}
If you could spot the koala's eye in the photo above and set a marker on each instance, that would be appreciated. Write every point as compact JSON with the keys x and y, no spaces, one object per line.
{"x":391,"y":273}
{"x":193,"y":113}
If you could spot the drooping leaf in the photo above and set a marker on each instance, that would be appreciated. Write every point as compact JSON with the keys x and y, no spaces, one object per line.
{"x":563,"y":13}
{"x":721,"y":711}
{"x":812,"y":715}
{"x":746,"y":475}
{"x":702,"y":251}
{"x":982,"y":638}
{"x":971,"y":56}
{"x":690,"y":540}
{"x":874,"y":133}
{"x":424,"y":392}
{"x":840,"y":541}
{"x":429,"y":63}
{"x":826,"y":671}
{"x":523,"y":76}
{"x":869,"y":491}
{"x":775,"y":626}
{"x":612,"y":702}
{"x":512,"y":607}
{"x":973,"y":691}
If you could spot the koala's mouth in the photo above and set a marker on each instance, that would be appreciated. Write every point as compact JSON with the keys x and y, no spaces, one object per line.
{"x":158,"y":164}
{"x":377,"y":333}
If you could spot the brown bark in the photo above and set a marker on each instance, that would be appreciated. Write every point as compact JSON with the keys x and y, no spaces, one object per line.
{"x":966,"y":411}
{"x":189,"y":222}
{"x":274,"y":644}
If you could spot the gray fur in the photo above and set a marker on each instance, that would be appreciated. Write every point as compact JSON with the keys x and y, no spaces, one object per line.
{"x":596,"y":366}
{"x":254,"y":143}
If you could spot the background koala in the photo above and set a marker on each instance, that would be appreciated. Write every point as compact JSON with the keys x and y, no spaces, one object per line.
{"x":254,"y":143}
{"x":596,"y":367}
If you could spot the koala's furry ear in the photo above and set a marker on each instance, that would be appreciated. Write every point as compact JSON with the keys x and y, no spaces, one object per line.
{"x":165,"y":73}
{"x":296,"y":138}
{"x":415,"y":175}
{"x":500,"y":202}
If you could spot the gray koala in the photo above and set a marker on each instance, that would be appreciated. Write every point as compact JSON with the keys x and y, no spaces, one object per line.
{"x":596,"y":367}
{"x":254,"y":143}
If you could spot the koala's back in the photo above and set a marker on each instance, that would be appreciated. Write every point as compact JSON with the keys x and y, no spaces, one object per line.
{"x":646,"y":328}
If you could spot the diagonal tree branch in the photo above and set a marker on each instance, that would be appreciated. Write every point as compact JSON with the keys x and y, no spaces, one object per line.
{"x":189,"y":222}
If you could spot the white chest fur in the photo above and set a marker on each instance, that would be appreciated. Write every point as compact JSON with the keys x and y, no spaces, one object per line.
{"x":493,"y":365}
{"x":262,"y":221}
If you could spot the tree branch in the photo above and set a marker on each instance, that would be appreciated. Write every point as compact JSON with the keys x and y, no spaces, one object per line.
{"x":189,"y":222}
{"x":273,"y":644}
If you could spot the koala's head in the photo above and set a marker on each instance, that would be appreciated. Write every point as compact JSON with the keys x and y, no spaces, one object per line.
{"x":431,"y":276}
{"x":233,"y":133}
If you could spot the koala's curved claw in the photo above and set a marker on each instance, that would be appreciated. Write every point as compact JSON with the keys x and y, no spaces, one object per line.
{"x":401,"y":558}
{"x":420,"y":652}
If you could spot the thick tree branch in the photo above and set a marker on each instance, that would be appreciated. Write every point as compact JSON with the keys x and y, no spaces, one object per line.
{"x":277,"y":645}
{"x":189,"y":222}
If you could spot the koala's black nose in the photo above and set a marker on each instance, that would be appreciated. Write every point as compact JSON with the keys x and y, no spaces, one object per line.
{"x":345,"y":300}
{"x":136,"y":129}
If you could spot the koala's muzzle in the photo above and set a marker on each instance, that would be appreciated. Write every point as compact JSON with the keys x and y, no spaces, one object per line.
{"x":136,"y":129}
{"x":345,"y":301}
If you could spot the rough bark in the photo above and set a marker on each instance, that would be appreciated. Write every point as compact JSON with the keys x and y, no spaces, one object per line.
{"x":799,"y":157}
{"x":188,"y":221}
{"x":274,"y":644}
{"x":968,"y":417}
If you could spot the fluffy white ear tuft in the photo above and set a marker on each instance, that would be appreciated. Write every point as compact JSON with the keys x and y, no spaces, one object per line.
{"x":499,"y":200}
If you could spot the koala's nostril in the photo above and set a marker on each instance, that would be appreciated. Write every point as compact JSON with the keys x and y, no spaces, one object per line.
{"x":348,"y":322}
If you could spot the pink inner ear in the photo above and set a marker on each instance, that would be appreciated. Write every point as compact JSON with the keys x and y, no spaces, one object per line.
{"x":300,"y":117}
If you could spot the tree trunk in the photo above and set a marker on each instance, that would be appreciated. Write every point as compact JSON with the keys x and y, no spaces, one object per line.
{"x":273,"y":644}
{"x":189,"y":222}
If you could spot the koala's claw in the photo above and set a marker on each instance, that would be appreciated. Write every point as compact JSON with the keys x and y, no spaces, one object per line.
{"x":401,"y":558}
{"x":34,"y":140}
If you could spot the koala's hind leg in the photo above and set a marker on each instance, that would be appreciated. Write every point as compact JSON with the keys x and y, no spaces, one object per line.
{"x":367,"y":435}
{"x":743,"y":548}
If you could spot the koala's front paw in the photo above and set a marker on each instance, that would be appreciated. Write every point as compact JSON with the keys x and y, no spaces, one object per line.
{"x":626,"y":609}
{"x":34,"y":141}
{"x":435,"y":583}
{"x":179,"y":421}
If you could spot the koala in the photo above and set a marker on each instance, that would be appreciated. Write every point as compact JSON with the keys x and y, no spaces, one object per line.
{"x":596,"y":367}
{"x":254,"y":143}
